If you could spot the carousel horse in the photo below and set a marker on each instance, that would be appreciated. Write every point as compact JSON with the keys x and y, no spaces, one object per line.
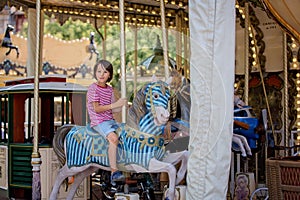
{"x":81,"y":151}
{"x":92,"y":46}
{"x":7,"y":43}
{"x":179,"y":139}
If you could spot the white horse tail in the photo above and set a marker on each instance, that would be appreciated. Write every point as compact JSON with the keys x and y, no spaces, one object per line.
{"x":58,"y":142}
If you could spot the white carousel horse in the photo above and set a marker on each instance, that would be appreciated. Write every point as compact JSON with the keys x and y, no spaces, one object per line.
{"x":81,"y":151}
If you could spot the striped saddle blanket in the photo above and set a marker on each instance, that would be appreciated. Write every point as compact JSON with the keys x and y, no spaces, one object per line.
{"x":84,"y":145}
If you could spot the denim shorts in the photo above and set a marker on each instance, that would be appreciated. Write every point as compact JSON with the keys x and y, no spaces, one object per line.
{"x":106,"y":127}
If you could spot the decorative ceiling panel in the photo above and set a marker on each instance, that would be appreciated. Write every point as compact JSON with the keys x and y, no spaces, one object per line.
{"x":286,"y":13}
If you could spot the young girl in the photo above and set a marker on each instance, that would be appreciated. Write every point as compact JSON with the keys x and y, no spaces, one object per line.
{"x":100,"y":105}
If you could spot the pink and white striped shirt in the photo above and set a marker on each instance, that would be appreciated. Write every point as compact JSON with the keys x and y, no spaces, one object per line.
{"x":102,"y":95}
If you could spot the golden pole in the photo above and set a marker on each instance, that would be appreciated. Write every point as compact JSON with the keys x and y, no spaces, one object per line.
{"x":36,"y":157}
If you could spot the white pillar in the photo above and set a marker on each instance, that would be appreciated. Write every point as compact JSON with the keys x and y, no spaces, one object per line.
{"x":212,"y":39}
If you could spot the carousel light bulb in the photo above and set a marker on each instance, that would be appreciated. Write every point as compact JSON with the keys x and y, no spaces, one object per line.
{"x":295,"y":65}
{"x":298,"y":102}
{"x":153,"y":71}
{"x":254,"y":55}
{"x":298,"y":95}
{"x":252,"y":42}
{"x":298,"y":109}
{"x":243,"y":16}
{"x":148,"y":71}
{"x":294,"y":59}
{"x":294,"y":45}
{"x":298,"y":89}
{"x":298,"y":116}
{"x":298,"y":123}
{"x":297,"y":75}
{"x":253,"y":63}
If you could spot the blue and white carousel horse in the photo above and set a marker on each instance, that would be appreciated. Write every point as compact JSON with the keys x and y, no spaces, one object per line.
{"x":81,"y":151}
{"x":7,"y":43}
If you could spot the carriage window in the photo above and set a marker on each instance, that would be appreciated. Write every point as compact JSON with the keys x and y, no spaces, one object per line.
{"x":4,"y":118}
{"x":61,"y":108}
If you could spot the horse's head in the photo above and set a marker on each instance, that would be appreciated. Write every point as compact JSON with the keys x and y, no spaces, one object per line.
{"x":157,"y":97}
{"x":9,"y":28}
{"x":152,"y":101}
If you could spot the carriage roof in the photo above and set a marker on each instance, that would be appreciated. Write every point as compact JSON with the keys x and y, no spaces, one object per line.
{"x":55,"y":84}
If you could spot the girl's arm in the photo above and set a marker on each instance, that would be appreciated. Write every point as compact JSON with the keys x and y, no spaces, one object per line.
{"x":115,"y":106}
{"x":113,"y":100}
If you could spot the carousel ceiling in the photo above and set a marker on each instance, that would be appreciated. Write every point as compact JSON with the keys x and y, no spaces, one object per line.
{"x":139,"y":12}
{"x":286,"y":13}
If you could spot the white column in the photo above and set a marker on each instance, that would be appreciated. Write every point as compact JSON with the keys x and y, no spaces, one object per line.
{"x":212,"y":39}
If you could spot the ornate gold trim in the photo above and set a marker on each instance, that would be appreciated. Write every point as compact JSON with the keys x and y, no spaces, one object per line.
{"x":284,"y":23}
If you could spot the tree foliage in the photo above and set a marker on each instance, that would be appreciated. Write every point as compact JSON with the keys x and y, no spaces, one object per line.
{"x":76,"y":29}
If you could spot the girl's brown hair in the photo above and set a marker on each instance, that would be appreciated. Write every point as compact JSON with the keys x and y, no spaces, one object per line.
{"x":107,"y":65}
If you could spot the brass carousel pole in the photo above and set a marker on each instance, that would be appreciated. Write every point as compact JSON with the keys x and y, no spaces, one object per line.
{"x":164,"y":38}
{"x":286,"y":96}
{"x":122,"y":58}
{"x":135,"y":60}
{"x":36,"y":157}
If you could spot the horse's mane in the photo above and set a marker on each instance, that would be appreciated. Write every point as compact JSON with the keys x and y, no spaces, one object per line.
{"x":138,"y":108}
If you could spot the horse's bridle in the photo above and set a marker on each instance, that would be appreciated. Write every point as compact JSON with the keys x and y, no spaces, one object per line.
{"x":149,"y":94}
